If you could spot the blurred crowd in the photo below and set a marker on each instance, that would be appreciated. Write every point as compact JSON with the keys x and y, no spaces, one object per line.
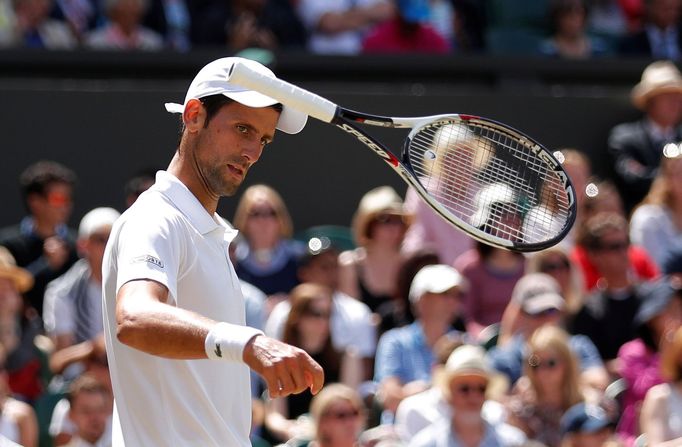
{"x":554,"y":28}
{"x":427,"y":338}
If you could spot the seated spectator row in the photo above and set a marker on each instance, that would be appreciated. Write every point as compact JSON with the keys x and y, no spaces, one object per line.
{"x":554,"y":28}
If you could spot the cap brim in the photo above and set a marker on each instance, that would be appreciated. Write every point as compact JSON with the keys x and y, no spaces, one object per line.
{"x":290,"y":121}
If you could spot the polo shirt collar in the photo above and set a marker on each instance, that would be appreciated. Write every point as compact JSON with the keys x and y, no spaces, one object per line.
{"x":169,"y":185}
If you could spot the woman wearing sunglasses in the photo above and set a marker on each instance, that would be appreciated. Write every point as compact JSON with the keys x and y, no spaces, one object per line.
{"x":464,"y":383}
{"x":549,"y":387}
{"x":267,"y":257}
{"x":307,"y":327}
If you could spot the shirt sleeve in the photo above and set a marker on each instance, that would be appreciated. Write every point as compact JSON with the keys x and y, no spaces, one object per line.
{"x":388,"y":358}
{"x":57,"y":312}
{"x":150,"y":249}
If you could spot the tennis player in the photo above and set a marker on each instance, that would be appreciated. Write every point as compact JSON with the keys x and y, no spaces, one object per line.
{"x":179,"y":352}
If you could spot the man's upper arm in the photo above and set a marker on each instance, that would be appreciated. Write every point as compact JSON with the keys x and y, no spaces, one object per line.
{"x":149,"y":248}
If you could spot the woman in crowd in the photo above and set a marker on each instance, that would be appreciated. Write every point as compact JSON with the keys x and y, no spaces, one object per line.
{"x":549,"y":387}
{"x":569,"y":39}
{"x":370,"y":272}
{"x":338,"y":417}
{"x":659,"y":315}
{"x":661,"y":416}
{"x":267,"y":256}
{"x":307,"y":327}
{"x":656,"y":224}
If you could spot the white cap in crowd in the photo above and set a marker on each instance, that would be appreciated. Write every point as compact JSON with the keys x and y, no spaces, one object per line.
{"x":436,"y":278}
{"x":96,"y":220}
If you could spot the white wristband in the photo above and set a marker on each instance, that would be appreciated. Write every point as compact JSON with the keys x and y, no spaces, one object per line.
{"x":226,"y":341}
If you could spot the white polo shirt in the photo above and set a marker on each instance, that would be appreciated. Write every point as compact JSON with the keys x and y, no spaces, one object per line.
{"x":168,"y":237}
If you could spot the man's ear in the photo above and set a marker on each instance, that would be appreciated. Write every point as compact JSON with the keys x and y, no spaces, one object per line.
{"x":194,"y":115}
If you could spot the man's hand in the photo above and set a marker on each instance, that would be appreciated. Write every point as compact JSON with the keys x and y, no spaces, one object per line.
{"x":56,"y":252}
{"x":285,"y":368}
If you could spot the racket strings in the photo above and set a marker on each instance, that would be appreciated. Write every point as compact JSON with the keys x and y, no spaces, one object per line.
{"x":490,"y":179}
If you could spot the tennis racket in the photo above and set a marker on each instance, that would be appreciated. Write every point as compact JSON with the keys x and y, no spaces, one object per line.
{"x":491,"y":181}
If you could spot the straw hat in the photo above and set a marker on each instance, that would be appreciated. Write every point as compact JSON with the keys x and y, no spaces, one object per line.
{"x":658,"y":77}
{"x":22,"y":278}
{"x":381,"y":200}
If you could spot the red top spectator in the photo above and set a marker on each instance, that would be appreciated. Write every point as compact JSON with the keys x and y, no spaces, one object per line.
{"x":407,"y":32}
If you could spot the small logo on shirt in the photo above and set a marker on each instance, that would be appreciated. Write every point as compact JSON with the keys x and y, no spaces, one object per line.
{"x":217,"y":350}
{"x":147,"y":258}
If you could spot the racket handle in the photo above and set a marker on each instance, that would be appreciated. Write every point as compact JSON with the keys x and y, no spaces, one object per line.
{"x":284,"y":92}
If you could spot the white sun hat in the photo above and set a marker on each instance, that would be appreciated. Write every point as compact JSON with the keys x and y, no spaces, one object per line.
{"x":212,"y":80}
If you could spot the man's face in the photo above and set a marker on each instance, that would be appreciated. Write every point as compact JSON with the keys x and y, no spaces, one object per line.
{"x":89,"y":412}
{"x":234,"y":139}
{"x":54,"y":206}
{"x":665,"y":109}
{"x":92,"y":247}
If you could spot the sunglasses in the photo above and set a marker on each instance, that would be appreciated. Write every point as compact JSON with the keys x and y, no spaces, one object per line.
{"x":342,"y":415}
{"x":262,"y":214}
{"x":547,"y":267}
{"x":535,"y":363}
{"x":467,"y":389}
{"x":389,"y":219}
{"x":58,"y":199}
{"x":316,"y":313}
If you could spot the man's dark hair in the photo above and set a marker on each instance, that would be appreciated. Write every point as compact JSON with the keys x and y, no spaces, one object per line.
{"x":213,"y":104}
{"x":138,"y":183}
{"x":37,"y":177}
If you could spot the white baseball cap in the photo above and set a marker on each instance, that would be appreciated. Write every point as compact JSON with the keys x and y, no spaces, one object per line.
{"x":213,"y":80}
{"x":437,"y":278}
{"x":467,"y":360}
{"x":97,"y":219}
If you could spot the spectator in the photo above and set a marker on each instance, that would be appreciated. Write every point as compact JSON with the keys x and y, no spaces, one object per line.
{"x":537,"y":302}
{"x":172,"y":20}
{"x":405,"y":356}
{"x":469,"y":25}
{"x":469,"y":156}
{"x":661,"y":416}
{"x":20,"y":329}
{"x":308,"y":328}
{"x":659,"y":36}
{"x":95,"y":366}
{"x":586,"y":425}
{"x":492,"y":274}
{"x":138,"y":184}
{"x":32,"y":27}
{"x":421,"y":410}
{"x":465,"y":381}
{"x":653,"y":224}
{"x":398,"y":312}
{"x":550,"y":386}
{"x":407,"y":32}
{"x":41,"y":242}
{"x":607,"y":18}
{"x":339,"y":27}
{"x":369,"y":272}
{"x":124,"y":29}
{"x":90,"y":410}
{"x":338,"y":417}
{"x":351,"y":323}
{"x":606,"y":243}
{"x":242,"y":24}
{"x":81,"y":16}
{"x":636,"y":147}
{"x":659,"y":315}
{"x":569,"y":38}
{"x":267,"y":256}
{"x":19,"y":422}
{"x":603,"y":249}
{"x":73,"y":302}
{"x":556,"y":263}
